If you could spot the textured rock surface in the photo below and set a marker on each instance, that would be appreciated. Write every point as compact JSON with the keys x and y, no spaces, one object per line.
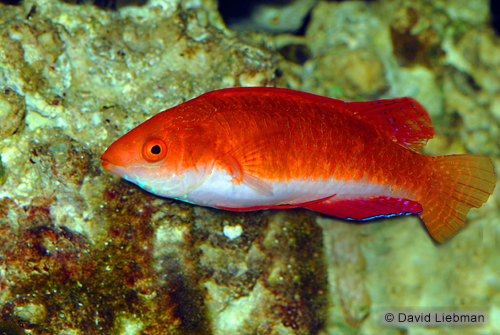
{"x":274,"y":17}
{"x":83,"y":252}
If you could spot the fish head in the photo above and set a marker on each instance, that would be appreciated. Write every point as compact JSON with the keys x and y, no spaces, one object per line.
{"x":165,"y":158}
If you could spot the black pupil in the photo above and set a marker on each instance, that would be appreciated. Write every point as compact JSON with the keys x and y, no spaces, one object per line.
{"x":155,"y":150}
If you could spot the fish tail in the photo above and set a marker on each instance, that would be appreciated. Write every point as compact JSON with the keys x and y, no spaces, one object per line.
{"x":459,"y":182}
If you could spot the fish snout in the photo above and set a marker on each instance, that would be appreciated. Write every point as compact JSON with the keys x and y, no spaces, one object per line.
{"x":105,"y":159}
{"x":108,"y":160}
{"x":105,"y":164}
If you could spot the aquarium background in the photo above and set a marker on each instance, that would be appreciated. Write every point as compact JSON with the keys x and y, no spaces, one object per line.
{"x":84,"y":252}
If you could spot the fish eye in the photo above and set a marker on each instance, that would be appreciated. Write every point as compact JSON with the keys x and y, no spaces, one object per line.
{"x":154,"y":150}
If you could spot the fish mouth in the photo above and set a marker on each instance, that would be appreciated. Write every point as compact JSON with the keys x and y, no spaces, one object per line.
{"x":106,"y":164}
{"x":113,"y":168}
{"x":107,"y":159}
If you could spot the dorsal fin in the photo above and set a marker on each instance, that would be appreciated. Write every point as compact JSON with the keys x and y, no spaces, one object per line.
{"x":407,"y":121}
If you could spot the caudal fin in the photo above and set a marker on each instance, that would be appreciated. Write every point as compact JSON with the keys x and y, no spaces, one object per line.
{"x":460,"y":182}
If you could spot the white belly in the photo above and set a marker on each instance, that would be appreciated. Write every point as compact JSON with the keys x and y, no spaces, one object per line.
{"x":219,"y":191}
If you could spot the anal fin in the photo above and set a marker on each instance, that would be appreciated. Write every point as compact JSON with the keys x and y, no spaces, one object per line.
{"x":366,"y":209}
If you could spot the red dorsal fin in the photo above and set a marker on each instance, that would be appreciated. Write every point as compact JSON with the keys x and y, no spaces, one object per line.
{"x":407,"y":122}
{"x":365,"y":209}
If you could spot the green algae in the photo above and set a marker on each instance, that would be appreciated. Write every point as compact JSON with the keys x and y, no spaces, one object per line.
{"x":104,"y":287}
{"x":10,"y":328}
{"x":3,"y":173}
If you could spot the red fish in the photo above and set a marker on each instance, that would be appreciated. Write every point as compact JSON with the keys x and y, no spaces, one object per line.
{"x":254,"y":148}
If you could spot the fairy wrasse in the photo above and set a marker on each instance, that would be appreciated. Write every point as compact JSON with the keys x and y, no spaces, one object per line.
{"x":253,"y":148}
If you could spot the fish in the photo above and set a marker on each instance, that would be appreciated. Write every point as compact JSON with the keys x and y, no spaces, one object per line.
{"x":254,"y":148}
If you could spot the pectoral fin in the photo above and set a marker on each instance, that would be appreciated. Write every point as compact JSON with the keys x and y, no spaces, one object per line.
{"x":244,"y":162}
{"x":241,"y":176}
